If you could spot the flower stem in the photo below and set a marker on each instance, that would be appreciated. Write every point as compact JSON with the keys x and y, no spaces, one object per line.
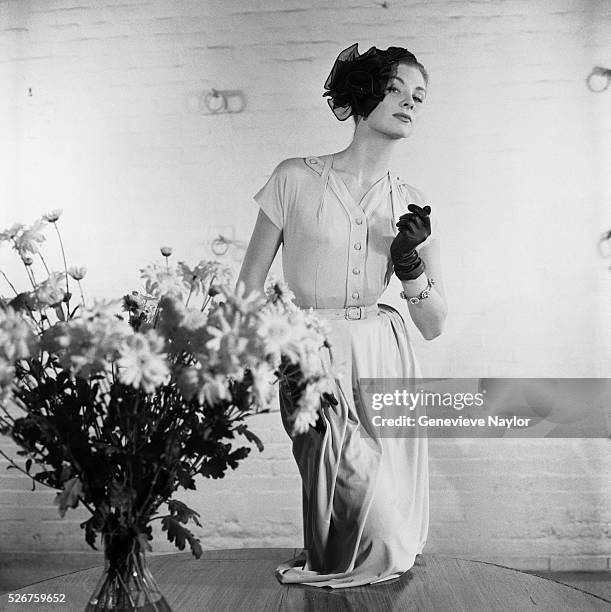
{"x":208,"y":296}
{"x":44,"y":263}
{"x":61,"y":244}
{"x":30,"y":274}
{"x":9,"y":282}
{"x":189,"y":296}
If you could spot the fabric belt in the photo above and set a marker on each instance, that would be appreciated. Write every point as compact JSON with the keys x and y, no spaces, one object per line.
{"x":352,"y":313}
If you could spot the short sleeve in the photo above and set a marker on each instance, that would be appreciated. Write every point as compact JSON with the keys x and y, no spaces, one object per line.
{"x":272,"y":196}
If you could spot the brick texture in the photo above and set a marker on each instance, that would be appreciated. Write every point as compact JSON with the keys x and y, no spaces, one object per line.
{"x":96,"y":117}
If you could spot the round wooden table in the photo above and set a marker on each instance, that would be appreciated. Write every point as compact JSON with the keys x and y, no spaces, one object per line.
{"x":243,"y":580}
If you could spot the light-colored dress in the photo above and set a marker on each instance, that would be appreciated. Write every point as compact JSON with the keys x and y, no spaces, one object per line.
{"x":365,"y":499}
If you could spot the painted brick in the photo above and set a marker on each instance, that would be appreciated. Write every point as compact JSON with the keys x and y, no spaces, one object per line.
{"x":572,"y":563}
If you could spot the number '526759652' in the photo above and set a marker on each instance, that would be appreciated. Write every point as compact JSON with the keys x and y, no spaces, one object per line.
{"x":37,"y":597}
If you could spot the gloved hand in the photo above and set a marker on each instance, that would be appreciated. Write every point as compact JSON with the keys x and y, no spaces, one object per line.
{"x":414,"y":229}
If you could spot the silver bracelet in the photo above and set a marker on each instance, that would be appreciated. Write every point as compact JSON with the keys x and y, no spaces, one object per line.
{"x":422,"y":295}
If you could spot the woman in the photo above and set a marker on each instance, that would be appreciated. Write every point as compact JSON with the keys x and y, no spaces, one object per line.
{"x":365,"y":497}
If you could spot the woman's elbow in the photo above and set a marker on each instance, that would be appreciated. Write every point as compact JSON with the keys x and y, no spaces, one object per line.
{"x":435,"y":328}
{"x":431,"y":334}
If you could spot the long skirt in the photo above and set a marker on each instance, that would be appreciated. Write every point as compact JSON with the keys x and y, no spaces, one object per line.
{"x":365,"y":498}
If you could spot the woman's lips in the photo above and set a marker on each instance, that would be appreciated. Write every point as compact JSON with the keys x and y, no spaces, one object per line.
{"x":403,"y":118}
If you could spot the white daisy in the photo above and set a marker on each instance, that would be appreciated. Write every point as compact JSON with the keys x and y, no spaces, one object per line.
{"x":277,"y":333}
{"x":29,"y":238}
{"x":141,"y":363}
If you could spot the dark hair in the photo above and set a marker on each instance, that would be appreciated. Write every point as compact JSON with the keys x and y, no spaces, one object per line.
{"x":357,"y":82}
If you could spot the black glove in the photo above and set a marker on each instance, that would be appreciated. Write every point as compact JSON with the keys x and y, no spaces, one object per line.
{"x":414,"y":229}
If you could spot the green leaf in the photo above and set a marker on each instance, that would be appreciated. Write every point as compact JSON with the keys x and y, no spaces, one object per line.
{"x":95,"y":524}
{"x":59,"y":311}
{"x":250,"y":436}
{"x":69,"y":497}
{"x":213,"y":467}
{"x":185,"y":480}
{"x":182,"y":512}
{"x":90,"y":532}
{"x":237,"y":455}
{"x":179,"y":535}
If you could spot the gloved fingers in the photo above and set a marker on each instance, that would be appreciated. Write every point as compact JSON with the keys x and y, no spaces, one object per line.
{"x":407,"y":218}
{"x":410,"y":219}
{"x":413,"y":222}
{"x":409,"y":229}
{"x":418,"y":222}
{"x":407,"y":232}
{"x":421,"y":212}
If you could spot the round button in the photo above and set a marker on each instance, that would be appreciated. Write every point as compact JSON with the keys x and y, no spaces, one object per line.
{"x":355,"y":295}
{"x":355,"y":271}
{"x":312,"y":160}
{"x":359,"y":221}
{"x":357,"y":246}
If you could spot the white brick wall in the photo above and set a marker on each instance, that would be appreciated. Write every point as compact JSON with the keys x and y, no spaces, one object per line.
{"x":513,"y":151}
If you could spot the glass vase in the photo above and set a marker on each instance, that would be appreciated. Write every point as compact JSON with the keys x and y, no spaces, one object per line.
{"x":126,"y":584}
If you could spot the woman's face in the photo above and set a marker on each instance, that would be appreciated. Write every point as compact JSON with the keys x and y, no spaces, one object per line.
{"x":396,"y":115}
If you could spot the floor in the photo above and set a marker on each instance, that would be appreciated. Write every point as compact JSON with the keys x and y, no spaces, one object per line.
{"x":243,"y":580}
{"x":597,"y":583}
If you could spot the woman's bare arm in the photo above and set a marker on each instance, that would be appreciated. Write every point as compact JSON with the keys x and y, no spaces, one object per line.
{"x":429,"y":314}
{"x":262,"y":248}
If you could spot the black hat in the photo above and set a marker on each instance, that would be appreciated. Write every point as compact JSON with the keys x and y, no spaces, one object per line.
{"x":357,"y":83}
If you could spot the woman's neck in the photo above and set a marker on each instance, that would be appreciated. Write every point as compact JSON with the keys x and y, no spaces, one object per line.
{"x":365,"y":159}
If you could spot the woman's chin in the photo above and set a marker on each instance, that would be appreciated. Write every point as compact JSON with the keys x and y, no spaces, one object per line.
{"x":398,"y":134}
{"x":403,"y":130}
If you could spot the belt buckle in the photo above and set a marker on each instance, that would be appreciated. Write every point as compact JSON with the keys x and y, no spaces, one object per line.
{"x":354,"y":313}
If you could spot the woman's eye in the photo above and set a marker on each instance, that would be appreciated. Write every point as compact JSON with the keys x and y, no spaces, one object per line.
{"x":418,"y":99}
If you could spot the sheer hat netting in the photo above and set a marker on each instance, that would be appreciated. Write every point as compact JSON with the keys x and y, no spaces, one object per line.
{"x":357,"y":82}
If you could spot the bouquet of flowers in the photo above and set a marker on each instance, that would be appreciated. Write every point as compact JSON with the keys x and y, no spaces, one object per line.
{"x":124,"y":402}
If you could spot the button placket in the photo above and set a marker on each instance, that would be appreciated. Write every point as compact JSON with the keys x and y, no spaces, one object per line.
{"x":356,"y":259}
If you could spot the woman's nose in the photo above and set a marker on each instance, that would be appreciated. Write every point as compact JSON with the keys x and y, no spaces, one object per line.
{"x":408,"y":102}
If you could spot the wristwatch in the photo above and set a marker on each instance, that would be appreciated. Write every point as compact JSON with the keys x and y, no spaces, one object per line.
{"x":421,"y":296}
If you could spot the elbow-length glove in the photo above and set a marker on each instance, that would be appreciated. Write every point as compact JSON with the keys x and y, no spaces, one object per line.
{"x":414,"y":229}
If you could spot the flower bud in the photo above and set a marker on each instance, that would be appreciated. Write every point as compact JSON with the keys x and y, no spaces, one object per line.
{"x":53,"y":216}
{"x":77,"y":272}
